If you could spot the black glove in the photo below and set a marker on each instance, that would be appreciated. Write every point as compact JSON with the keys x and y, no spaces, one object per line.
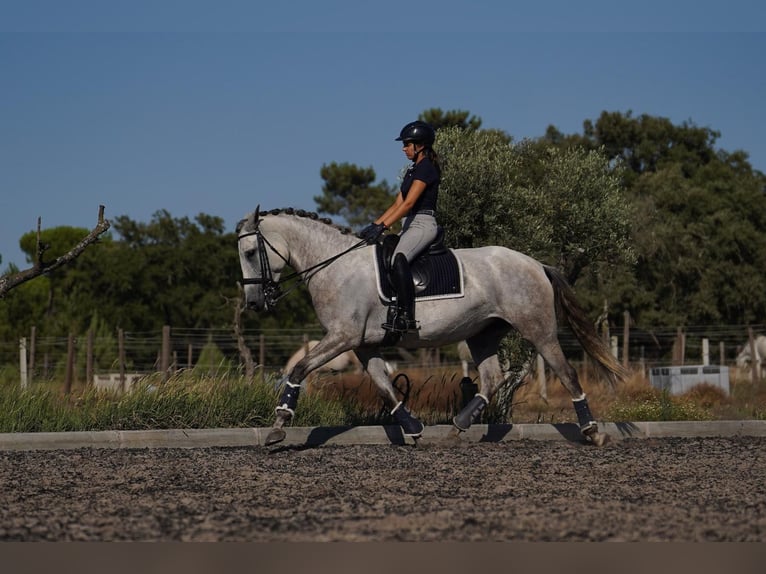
{"x":372,"y":232}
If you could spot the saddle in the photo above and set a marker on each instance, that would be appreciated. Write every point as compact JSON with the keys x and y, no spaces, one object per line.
{"x":436,"y":273}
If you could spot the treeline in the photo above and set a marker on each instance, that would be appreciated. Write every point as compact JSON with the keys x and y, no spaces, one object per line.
{"x":169,"y":271}
{"x":643,"y":216}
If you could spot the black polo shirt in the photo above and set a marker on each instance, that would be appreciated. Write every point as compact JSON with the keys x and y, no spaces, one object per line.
{"x":425,"y":171}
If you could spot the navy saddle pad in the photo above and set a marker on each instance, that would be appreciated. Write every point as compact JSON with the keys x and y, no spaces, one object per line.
{"x":437,"y":273}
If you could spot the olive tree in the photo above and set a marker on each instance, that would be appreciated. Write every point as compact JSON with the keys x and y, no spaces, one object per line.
{"x":565,"y":207}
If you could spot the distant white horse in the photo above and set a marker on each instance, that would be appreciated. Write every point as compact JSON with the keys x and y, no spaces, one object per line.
{"x":745,"y":359}
{"x":342,"y":362}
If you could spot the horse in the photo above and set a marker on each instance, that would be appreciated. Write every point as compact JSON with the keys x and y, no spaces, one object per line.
{"x":745,"y":356}
{"x":503,"y":290}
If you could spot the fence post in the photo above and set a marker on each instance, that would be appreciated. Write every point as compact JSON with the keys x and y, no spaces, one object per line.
{"x":722,"y":353}
{"x":705,"y":351}
{"x":89,"y":359}
{"x":23,"y":362}
{"x":121,"y":358}
{"x":32,"y":344}
{"x":165,"y":360}
{"x":262,"y":356}
{"x":679,"y":347}
{"x":69,"y":376}
{"x":625,"y":337}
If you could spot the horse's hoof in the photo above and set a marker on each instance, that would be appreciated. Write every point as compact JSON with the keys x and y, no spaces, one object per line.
{"x":275,"y":436}
{"x":453,"y":436}
{"x":599,"y":438}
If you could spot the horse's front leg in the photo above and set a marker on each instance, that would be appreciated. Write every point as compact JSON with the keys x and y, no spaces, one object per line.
{"x":326,"y":350}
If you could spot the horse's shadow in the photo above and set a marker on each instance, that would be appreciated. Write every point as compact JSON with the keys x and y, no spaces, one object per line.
{"x":491,"y":433}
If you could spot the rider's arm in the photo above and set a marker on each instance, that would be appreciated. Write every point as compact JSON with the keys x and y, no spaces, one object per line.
{"x":401,"y":207}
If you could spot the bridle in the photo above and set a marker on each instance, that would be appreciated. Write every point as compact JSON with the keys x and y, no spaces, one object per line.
{"x":272,"y":289}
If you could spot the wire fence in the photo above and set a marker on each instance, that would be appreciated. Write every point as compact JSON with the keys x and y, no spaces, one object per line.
{"x":175,"y":349}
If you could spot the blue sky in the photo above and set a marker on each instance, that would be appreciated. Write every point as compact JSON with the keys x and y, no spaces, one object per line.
{"x":216,"y":107}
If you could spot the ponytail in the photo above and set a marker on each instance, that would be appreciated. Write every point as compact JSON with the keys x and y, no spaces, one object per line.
{"x":434,"y":157}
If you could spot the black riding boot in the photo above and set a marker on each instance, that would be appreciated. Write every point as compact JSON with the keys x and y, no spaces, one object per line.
{"x":403,"y":319}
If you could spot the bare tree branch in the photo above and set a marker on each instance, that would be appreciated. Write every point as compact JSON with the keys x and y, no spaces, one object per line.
{"x":244,"y":350}
{"x":9,"y":282}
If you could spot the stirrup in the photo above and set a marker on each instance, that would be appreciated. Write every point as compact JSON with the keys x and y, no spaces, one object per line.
{"x":399,"y":324}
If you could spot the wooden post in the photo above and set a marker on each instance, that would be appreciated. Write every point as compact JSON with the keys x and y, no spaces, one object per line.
{"x":121,"y":358}
{"x":89,"y":359}
{"x":69,"y":376}
{"x":722,"y":353}
{"x":32,"y":345}
{"x":705,"y":351}
{"x":679,"y":347}
{"x":625,"y":337}
{"x":23,"y":363}
{"x":165,"y":357}
{"x":262,"y":356}
{"x":604,"y":323}
{"x":189,"y":356}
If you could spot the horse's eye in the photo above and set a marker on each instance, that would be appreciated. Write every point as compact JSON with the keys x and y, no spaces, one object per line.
{"x":250,"y":253}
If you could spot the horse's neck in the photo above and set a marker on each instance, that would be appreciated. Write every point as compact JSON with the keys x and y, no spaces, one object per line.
{"x":311,"y":243}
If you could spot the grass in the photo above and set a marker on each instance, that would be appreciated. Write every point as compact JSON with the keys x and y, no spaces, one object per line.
{"x":191,"y":400}
{"x":185,"y":401}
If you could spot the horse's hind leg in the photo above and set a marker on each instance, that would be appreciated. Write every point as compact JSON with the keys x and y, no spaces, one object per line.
{"x":375,"y":366}
{"x":483,"y":347}
{"x":554,"y":356}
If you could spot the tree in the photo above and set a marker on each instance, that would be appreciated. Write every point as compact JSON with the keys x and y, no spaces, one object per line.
{"x":438,"y":119}
{"x":348,"y":191}
{"x":564,"y":207}
{"x":699,"y":223}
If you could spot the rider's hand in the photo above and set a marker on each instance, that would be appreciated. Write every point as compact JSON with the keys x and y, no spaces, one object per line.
{"x":372,"y":232}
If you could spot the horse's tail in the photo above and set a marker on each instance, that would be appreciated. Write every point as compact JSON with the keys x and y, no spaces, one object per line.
{"x":568,"y":307}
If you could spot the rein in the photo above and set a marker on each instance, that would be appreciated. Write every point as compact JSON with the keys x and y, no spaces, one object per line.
{"x":272,"y":289}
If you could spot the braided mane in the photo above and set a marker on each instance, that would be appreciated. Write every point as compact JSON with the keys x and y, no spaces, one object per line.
{"x":309,"y":215}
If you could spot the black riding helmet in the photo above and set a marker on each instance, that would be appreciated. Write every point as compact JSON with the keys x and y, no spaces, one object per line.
{"x":417,"y":132}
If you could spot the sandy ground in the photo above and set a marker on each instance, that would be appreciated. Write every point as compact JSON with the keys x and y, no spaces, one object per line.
{"x":633,"y":490}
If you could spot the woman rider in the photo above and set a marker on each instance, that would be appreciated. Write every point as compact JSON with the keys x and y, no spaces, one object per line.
{"x":416,"y":203}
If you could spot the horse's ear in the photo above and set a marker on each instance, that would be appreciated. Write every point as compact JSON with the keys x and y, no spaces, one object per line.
{"x":256,"y":213}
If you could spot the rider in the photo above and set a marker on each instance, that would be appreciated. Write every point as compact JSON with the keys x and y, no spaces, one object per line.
{"x":416,"y":203}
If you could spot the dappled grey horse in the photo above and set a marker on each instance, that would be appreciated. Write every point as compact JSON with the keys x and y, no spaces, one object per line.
{"x":503,"y":290}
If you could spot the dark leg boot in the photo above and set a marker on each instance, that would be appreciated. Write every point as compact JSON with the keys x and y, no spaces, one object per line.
{"x":401,"y":278}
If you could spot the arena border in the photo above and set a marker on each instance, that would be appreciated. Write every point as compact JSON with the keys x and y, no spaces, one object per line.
{"x":367,"y":435}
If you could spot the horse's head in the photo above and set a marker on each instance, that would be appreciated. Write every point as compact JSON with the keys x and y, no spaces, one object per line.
{"x":262,"y":256}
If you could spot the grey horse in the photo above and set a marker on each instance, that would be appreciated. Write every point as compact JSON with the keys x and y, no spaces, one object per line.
{"x":503,"y":290}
